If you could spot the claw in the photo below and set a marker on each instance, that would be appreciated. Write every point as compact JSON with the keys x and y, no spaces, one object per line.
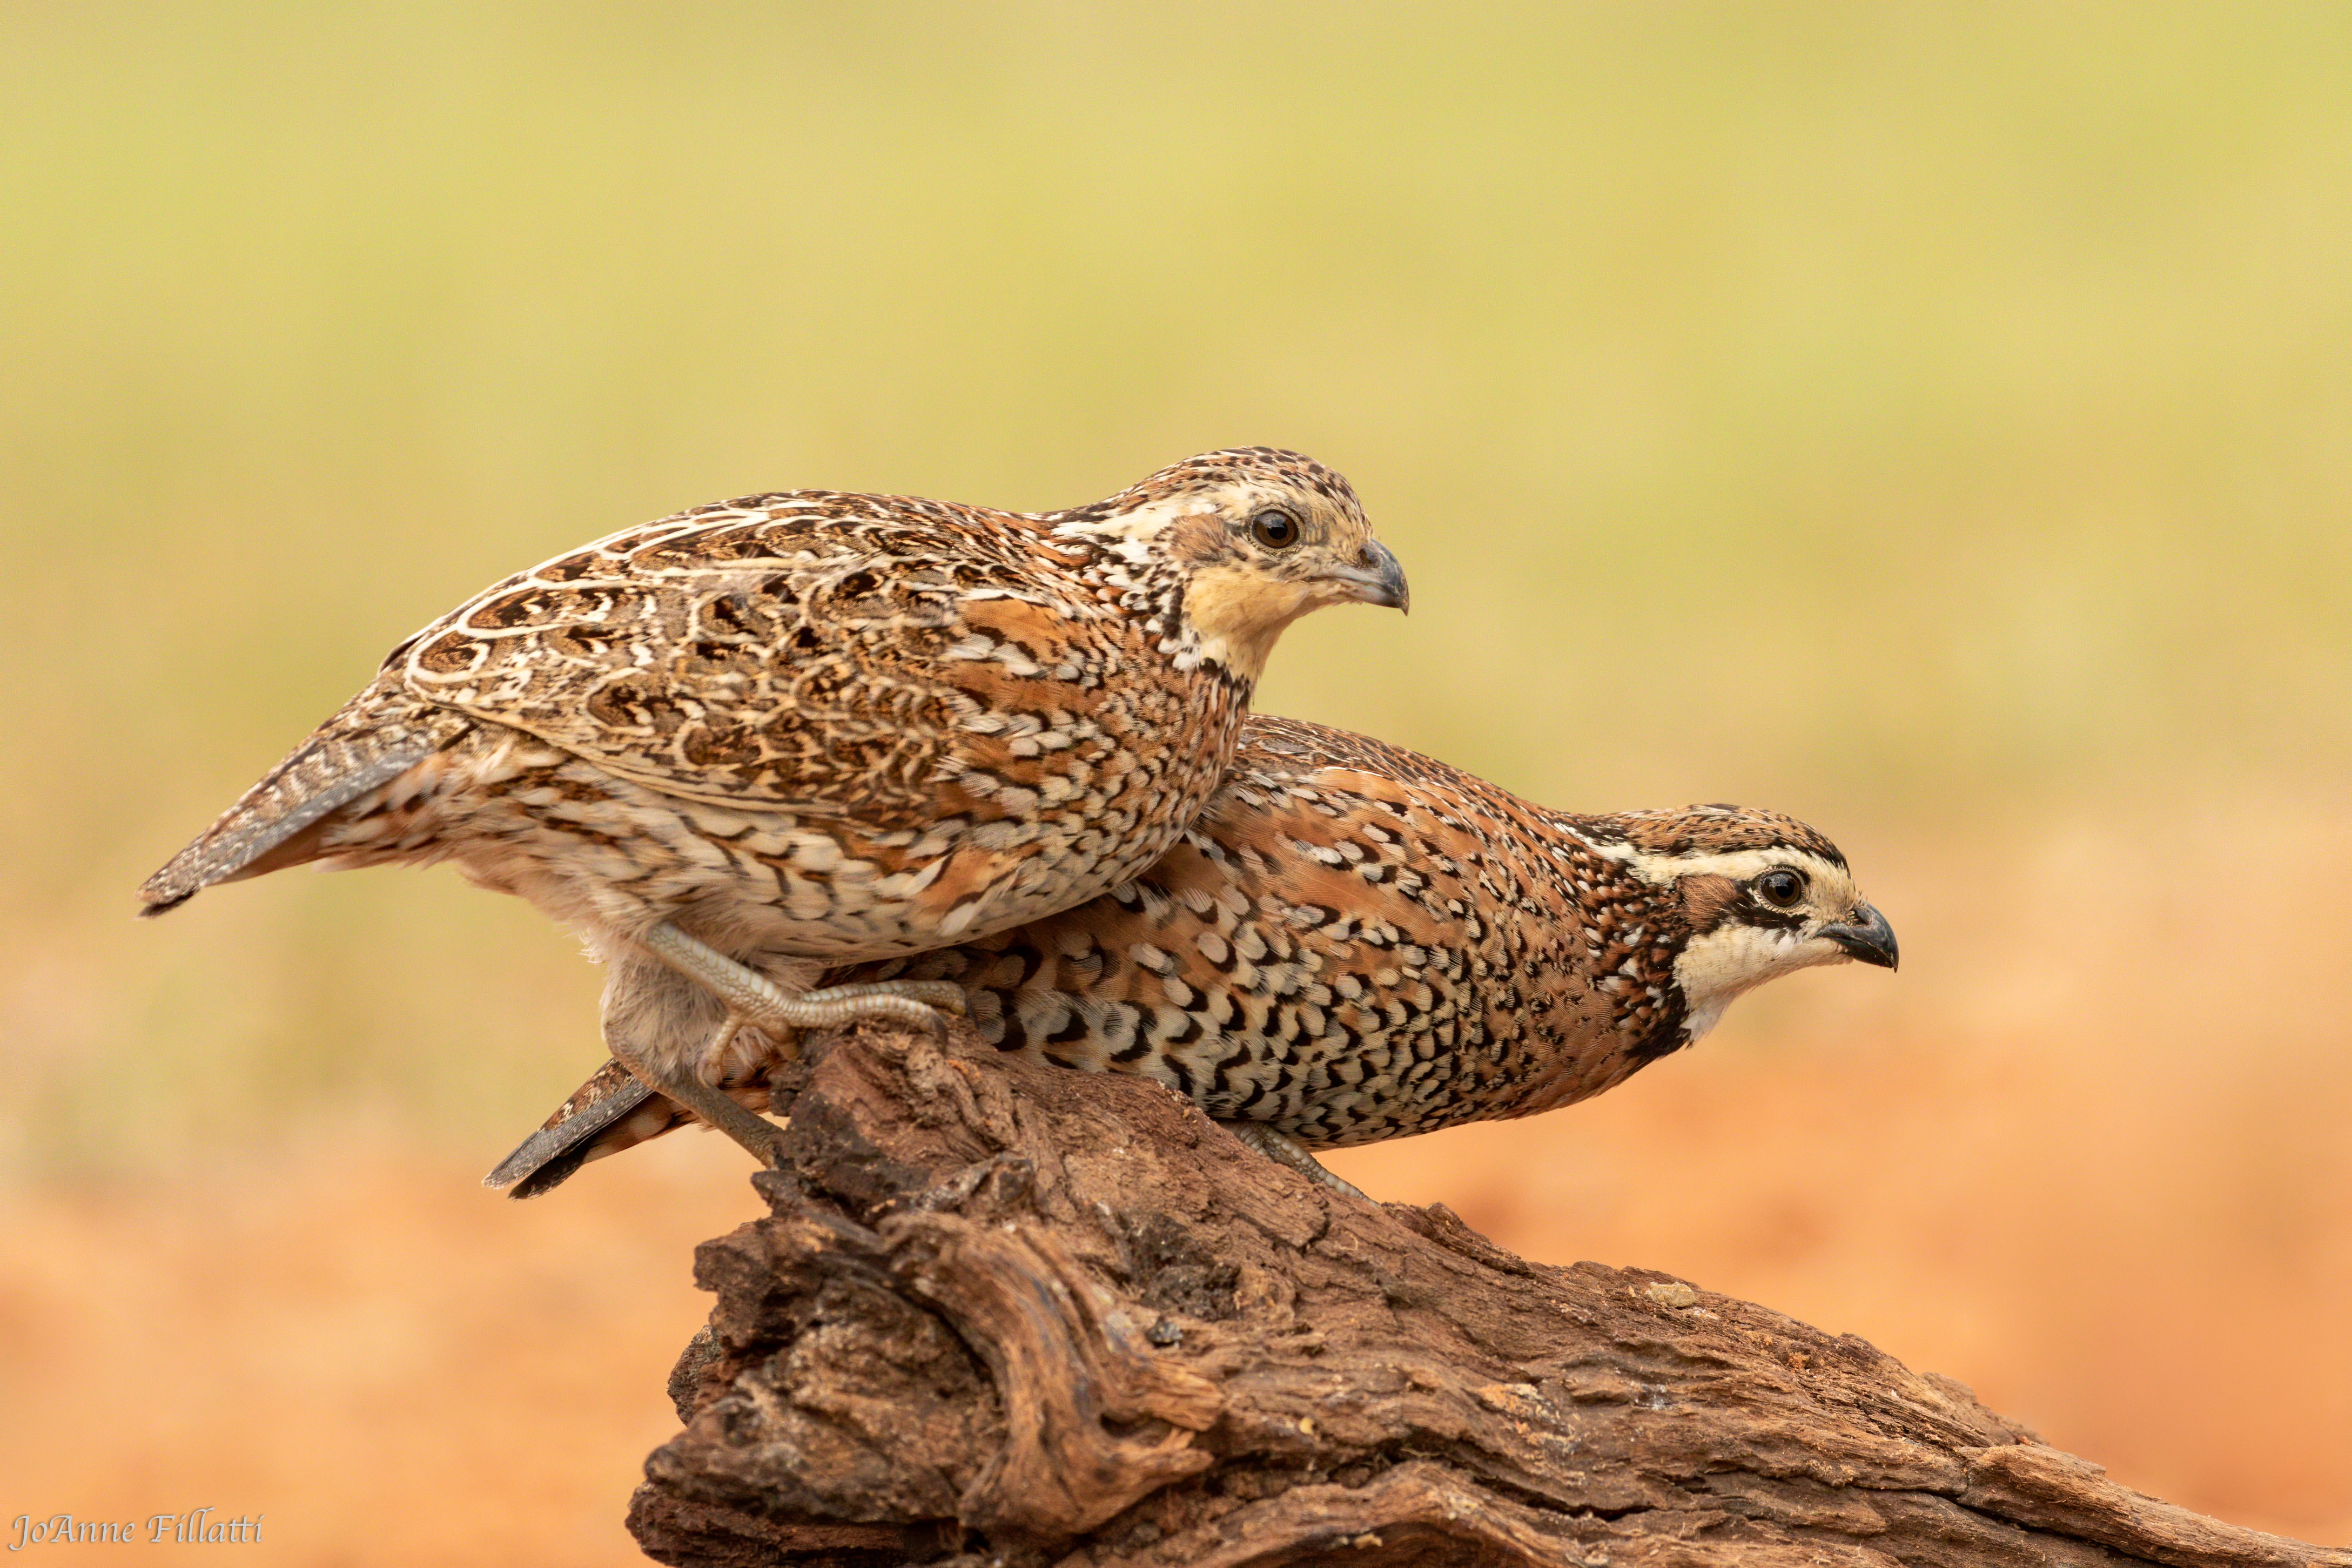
{"x":714,"y":1055}
{"x":751,"y":997}
{"x":1285,"y":1150}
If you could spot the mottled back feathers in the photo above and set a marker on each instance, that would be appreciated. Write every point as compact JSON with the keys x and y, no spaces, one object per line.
{"x":816,"y":651}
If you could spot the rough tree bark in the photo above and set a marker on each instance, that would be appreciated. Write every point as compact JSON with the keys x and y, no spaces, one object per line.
{"x":1006,"y":1314}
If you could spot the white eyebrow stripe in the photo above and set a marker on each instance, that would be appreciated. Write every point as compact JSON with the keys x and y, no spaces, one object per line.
{"x":1738,"y":864}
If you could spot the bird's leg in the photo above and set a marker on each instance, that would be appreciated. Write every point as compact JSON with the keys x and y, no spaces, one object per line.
{"x":1285,"y":1150}
{"x":944,"y":994}
{"x":714,"y":1055}
{"x":685,"y":1085}
{"x":751,"y":997}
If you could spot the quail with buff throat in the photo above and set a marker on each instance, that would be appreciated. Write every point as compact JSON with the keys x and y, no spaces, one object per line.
{"x":813,"y":730}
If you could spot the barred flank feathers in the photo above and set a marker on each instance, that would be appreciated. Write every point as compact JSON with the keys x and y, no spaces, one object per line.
{"x":378,"y":735}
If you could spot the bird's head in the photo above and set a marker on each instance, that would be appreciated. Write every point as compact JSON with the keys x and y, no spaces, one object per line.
{"x":1762,"y":895}
{"x":1229,"y":547}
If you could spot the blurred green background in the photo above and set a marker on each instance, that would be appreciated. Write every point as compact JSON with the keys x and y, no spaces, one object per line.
{"x":1935,"y":419}
{"x":1889,"y":411}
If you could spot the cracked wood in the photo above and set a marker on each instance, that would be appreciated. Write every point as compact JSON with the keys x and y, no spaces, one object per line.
{"x":1000,"y":1313}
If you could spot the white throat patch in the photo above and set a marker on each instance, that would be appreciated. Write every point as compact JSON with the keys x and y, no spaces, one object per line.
{"x":1718,"y":966}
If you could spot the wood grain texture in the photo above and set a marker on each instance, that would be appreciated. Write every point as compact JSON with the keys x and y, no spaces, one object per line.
{"x":1004,"y":1314}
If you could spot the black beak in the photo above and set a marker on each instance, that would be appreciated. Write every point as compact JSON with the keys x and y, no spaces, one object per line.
{"x":1867,"y":936}
{"x":1379,"y":580}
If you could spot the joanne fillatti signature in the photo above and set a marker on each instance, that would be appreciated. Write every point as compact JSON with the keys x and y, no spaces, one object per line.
{"x":197,"y":1527}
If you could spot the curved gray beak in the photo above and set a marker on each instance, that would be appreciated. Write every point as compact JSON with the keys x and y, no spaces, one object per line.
{"x":1378,"y":580}
{"x":1867,"y":936}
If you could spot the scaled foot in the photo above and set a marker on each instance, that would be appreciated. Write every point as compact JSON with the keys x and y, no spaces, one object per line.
{"x":751,"y":997}
{"x":1283,"y":1149}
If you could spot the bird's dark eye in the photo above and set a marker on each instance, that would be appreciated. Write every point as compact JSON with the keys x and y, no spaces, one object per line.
{"x":1274,"y":530}
{"x":1780,"y":889}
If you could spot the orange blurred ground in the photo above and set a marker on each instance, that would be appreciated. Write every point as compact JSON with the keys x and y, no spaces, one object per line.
{"x":2085,"y":1153}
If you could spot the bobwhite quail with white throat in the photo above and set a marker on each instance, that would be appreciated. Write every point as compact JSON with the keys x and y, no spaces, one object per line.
{"x":1355,"y":942}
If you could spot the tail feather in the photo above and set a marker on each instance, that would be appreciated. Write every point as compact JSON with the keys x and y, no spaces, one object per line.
{"x":567,"y":1140}
{"x":366,"y":746}
{"x":605,"y":1115}
{"x":610,"y":1113}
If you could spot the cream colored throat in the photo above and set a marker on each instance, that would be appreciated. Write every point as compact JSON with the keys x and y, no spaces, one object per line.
{"x":1239,"y":616}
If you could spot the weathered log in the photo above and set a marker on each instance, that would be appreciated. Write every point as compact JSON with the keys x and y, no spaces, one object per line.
{"x":1004,"y":1314}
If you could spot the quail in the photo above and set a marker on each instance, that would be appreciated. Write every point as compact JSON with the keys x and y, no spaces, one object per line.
{"x":774,"y":735}
{"x":1354,"y":942}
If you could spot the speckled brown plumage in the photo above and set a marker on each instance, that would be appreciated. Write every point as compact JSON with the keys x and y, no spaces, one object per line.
{"x":814,"y":727}
{"x":1354,"y":942}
